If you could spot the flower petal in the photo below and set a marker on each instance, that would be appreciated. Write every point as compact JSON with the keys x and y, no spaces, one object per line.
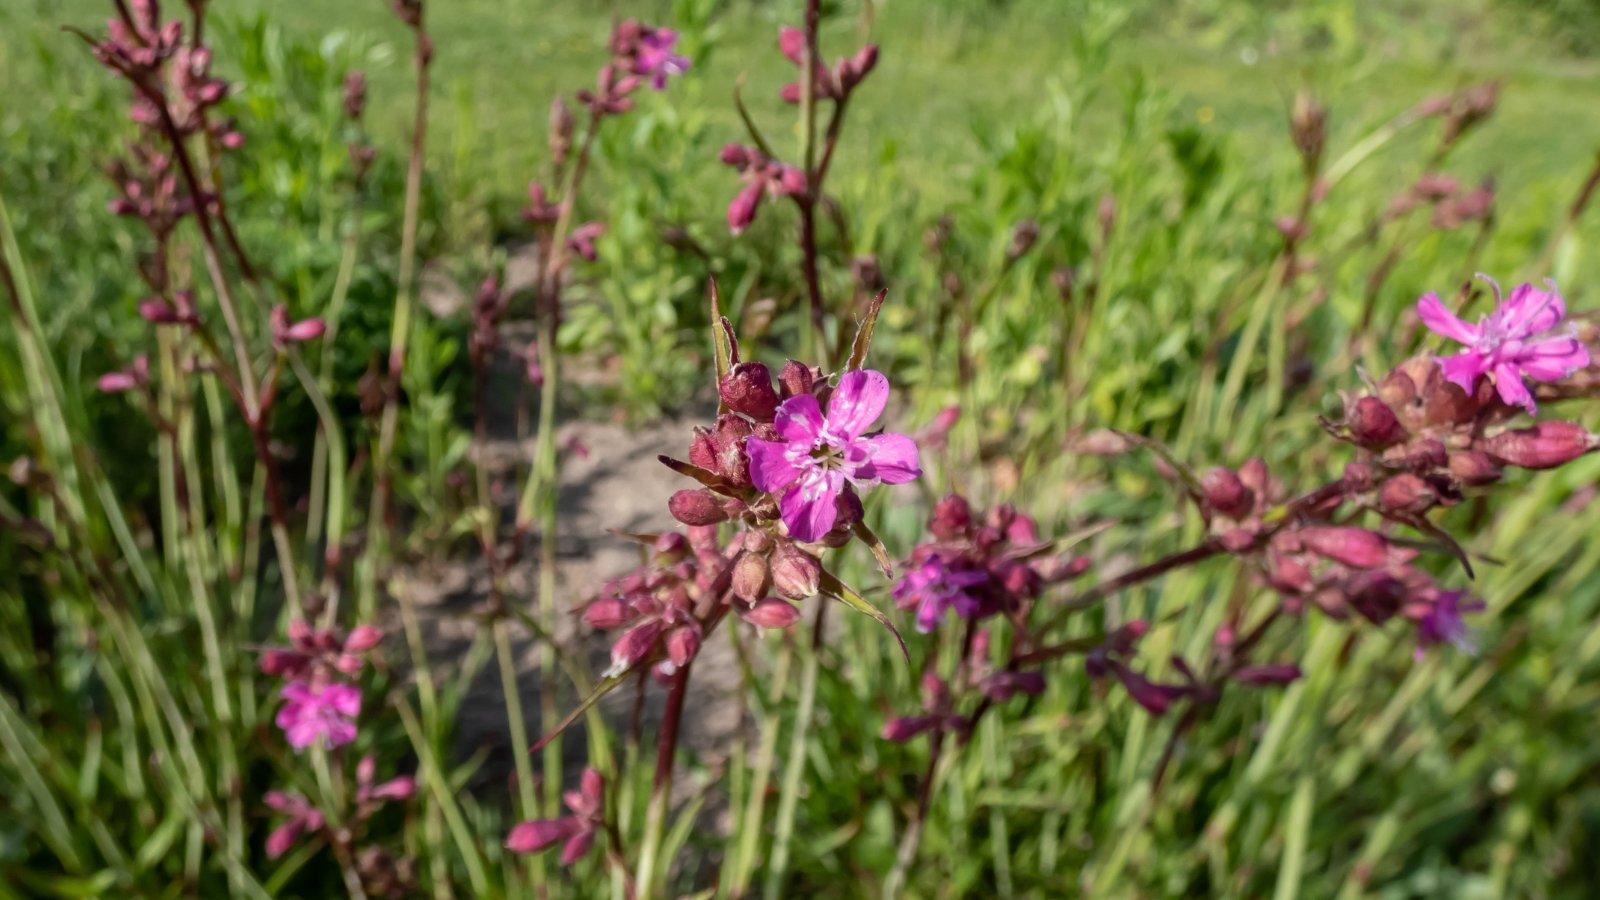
{"x":799,"y":419}
{"x":890,"y":458}
{"x":1554,"y":359}
{"x":1441,"y":320}
{"x":1508,"y":381}
{"x":857,"y":402}
{"x":531,"y":837}
{"x":1530,"y":311}
{"x":770,"y":469}
{"x":811,"y":506}
{"x":1463,"y":369}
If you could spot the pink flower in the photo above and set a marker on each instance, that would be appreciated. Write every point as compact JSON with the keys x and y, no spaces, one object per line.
{"x":762,"y":176}
{"x":311,"y":714}
{"x":656,"y":59}
{"x":303,"y":817}
{"x":577,"y":830}
{"x":937,"y":585}
{"x":1517,"y":339}
{"x":1443,"y":623}
{"x":819,"y":455}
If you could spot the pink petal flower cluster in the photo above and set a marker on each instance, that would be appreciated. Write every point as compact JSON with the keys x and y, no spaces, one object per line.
{"x":818,"y":455}
{"x":657,"y":604}
{"x":1519,"y":339}
{"x":577,"y":830}
{"x":655,"y":58}
{"x":305,"y":818}
{"x":320,"y":706}
{"x":762,"y":176}
{"x":832,"y":84}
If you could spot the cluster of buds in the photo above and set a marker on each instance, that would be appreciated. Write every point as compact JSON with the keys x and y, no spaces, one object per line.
{"x":1454,"y":205}
{"x":487,"y":308}
{"x":138,"y":44}
{"x":761,"y":176}
{"x":147,"y":189}
{"x":833,"y":83}
{"x":321,"y":701}
{"x":575,"y":832}
{"x":979,"y":567}
{"x":775,"y":455}
{"x":648,"y":52}
{"x":1111,"y":658}
{"x":663,"y":606}
{"x":382,"y":874}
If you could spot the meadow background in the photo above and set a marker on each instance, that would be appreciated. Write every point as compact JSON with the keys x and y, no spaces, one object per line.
{"x":1149,"y":143}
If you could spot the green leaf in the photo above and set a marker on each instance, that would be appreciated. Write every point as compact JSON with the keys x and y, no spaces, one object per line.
{"x":600,"y":690}
{"x":838,"y":590}
{"x":863,"y":341}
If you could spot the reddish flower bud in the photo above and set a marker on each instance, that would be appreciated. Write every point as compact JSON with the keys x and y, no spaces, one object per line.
{"x":854,"y":70}
{"x":742,"y":211}
{"x":531,"y":837}
{"x":1419,"y":455}
{"x":1355,"y":547}
{"x":792,"y":43}
{"x":907,"y":727}
{"x":1543,"y":446}
{"x":771,"y":613}
{"x":363,"y":638}
{"x":796,"y":574}
{"x":1407,"y":493}
{"x":1473,"y":468}
{"x":696,"y":507}
{"x":1373,"y":424}
{"x":634,"y":645}
{"x":609,"y":612}
{"x":703,"y":450}
{"x":1002,"y":686}
{"x":751,"y":577}
{"x":952,"y":518}
{"x":795,"y":378}
{"x":682,"y":645}
{"x":1225,"y":493}
{"x":748,"y":390}
{"x":670,"y":548}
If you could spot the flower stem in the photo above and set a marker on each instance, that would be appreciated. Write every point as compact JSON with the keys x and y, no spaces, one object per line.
{"x":646,"y":875}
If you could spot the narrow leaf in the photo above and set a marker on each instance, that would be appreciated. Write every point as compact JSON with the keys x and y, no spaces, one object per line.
{"x":749,"y":123}
{"x":709,"y":479}
{"x":838,"y":590}
{"x":875,"y":544}
{"x":863,"y":341}
{"x":600,"y":690}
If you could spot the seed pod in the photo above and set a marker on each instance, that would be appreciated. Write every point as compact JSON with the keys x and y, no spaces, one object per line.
{"x":771,"y":613}
{"x":696,"y":507}
{"x":1373,"y":424}
{"x":751,"y":577}
{"x":748,"y":390}
{"x":1225,"y":493}
{"x":796,"y":574}
{"x":1355,"y":547}
{"x":1543,"y":446}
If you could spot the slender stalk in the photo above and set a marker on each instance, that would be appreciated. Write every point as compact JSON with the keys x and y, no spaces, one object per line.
{"x":646,"y":874}
{"x":809,"y":199}
{"x":400,"y":333}
{"x":795,"y":765}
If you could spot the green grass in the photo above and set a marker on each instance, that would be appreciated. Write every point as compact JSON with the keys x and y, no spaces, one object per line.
{"x":1374,"y":776}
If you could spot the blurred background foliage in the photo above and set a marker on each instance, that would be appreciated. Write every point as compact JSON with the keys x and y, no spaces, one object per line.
{"x":1148,"y":144}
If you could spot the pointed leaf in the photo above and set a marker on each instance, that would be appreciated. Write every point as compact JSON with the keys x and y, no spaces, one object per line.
{"x":831,"y":586}
{"x":749,"y":123}
{"x":709,"y":479}
{"x":643,"y":537}
{"x":600,"y":690}
{"x":863,"y":341}
{"x":875,"y":544}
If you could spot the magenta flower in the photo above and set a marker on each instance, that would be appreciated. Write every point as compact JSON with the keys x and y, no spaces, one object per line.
{"x":577,"y":830}
{"x":819,"y":455}
{"x":936,"y":585}
{"x":302,"y":818}
{"x":311,"y":714}
{"x":1517,"y":339}
{"x":1443,"y":623}
{"x":656,"y":59}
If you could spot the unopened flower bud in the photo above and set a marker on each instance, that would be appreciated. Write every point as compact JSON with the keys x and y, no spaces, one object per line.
{"x":1023,"y":238}
{"x":1225,"y":493}
{"x":355,"y":94}
{"x":952,"y":518}
{"x":1406,"y":493}
{"x":748,"y":390}
{"x":1473,"y":468}
{"x":560,"y":124}
{"x":363,"y":638}
{"x":608,"y":612}
{"x":1543,"y":446}
{"x":751,"y":577}
{"x":1420,"y":455}
{"x":796,"y":574}
{"x":682,"y":645}
{"x":696,"y":507}
{"x":1373,"y":424}
{"x":771,"y":612}
{"x":1355,"y":547}
{"x":670,"y":548}
{"x":1309,"y":126}
{"x":907,"y":727}
{"x":795,"y":378}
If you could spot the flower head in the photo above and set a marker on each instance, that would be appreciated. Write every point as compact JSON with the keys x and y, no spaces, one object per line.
{"x":577,"y":830}
{"x":656,"y":59}
{"x":819,"y":455}
{"x":1442,"y":623}
{"x":313,"y":713}
{"x":936,"y":585}
{"x":1518,"y":339}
